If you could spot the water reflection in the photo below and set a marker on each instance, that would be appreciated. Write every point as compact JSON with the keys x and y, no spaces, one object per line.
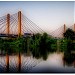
{"x":54,"y":63}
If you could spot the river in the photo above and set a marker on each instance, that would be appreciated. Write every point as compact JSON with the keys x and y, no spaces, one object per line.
{"x":53,"y":64}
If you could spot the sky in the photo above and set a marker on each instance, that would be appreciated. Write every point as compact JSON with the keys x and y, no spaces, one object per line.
{"x":47,"y":15}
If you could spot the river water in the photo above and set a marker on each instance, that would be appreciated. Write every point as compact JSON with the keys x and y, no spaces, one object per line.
{"x":53,"y":64}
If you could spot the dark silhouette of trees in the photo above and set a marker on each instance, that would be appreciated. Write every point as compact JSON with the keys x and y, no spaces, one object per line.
{"x":39,"y":45}
{"x":70,"y":37}
{"x":69,"y":34}
{"x":42,"y":45}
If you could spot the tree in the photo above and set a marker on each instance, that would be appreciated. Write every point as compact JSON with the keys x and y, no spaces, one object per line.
{"x":35,"y":45}
{"x":69,"y":34}
{"x":45,"y":45}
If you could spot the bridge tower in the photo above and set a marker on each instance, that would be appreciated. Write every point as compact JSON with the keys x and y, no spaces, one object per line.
{"x":74,"y":27}
{"x":64,"y":28}
{"x":19,"y":23}
{"x":8,"y":24}
{"x":7,"y":32}
{"x":19,"y":34}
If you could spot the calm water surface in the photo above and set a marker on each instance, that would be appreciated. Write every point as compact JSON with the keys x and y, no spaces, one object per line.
{"x":53,"y":64}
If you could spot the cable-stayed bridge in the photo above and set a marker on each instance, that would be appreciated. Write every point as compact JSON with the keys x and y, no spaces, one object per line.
{"x":18,"y":24}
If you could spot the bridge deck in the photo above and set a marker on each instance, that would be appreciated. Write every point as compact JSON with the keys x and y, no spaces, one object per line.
{"x":14,"y":35}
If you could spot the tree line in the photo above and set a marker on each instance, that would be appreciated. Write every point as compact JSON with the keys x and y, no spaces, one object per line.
{"x":39,"y":45}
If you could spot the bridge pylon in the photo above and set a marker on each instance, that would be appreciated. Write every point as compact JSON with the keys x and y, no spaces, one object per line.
{"x":19,"y":23}
{"x":64,"y":28}
{"x":7,"y":32}
{"x":19,"y":34}
{"x":74,"y":27}
{"x":8,"y":24}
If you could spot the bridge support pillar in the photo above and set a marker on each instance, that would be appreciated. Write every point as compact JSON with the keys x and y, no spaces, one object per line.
{"x":8,"y":23}
{"x":19,"y":34}
{"x":74,"y":27}
{"x":7,"y":32}
{"x":64,"y":28}
{"x":19,"y":23}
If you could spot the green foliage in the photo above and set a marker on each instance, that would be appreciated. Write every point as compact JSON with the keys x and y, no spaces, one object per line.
{"x":69,"y":34}
{"x":12,"y":45}
{"x":40,"y":45}
{"x":53,"y":45}
{"x":68,"y":46}
{"x":63,"y":44}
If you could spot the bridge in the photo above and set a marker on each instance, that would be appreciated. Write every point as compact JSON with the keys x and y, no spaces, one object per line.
{"x":17,"y":24}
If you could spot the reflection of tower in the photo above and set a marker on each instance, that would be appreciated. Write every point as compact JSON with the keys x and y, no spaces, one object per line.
{"x":19,"y":34}
{"x":7,"y":32}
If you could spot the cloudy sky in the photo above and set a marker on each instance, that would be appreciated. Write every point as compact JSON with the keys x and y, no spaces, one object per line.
{"x":48,"y":15}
